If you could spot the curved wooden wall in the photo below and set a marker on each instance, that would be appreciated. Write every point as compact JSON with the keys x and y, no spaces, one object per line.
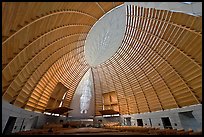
{"x":158,"y":65}
{"x":43,"y":44}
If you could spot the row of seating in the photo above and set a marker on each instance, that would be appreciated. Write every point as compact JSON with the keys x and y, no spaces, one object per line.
{"x":110,"y":124}
{"x":52,"y":125}
{"x":152,"y":131}
{"x":32,"y":132}
{"x":129,"y":128}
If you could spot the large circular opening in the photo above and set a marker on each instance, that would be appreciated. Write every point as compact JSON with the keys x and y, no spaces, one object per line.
{"x":105,"y":36}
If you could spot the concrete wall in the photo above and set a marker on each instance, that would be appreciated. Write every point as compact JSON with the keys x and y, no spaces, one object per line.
{"x":96,"y":122}
{"x":107,"y":119}
{"x":177,"y":121}
{"x":27,"y":119}
{"x":21,"y":114}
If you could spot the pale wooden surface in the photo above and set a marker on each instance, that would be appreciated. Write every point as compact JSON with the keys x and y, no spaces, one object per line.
{"x":157,"y":67}
{"x":160,"y":69}
{"x":43,"y":44}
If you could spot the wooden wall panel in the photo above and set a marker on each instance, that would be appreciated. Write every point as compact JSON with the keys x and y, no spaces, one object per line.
{"x":159,"y":61}
{"x":158,"y":65}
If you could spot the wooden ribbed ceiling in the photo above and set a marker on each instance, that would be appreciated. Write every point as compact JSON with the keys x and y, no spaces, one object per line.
{"x":42,"y":45}
{"x":158,"y":65}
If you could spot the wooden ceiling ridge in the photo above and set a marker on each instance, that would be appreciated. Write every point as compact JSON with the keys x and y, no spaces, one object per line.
{"x":157,"y":66}
{"x":46,"y":16}
{"x":55,"y":73}
{"x":24,"y":68}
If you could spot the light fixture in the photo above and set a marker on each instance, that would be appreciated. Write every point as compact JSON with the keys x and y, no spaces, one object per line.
{"x":187,"y":3}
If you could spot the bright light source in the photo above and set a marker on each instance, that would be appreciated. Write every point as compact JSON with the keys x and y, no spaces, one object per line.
{"x":86,"y":95}
{"x":47,"y":113}
{"x":56,"y":114}
{"x":187,"y":3}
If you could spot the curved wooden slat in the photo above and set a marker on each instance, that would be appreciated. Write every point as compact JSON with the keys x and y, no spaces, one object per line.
{"x":158,"y":65}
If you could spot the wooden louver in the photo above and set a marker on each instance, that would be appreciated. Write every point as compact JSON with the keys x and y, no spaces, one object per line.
{"x":158,"y":65}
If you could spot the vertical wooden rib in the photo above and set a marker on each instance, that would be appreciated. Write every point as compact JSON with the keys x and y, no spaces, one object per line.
{"x":160,"y":52}
{"x":40,"y":46}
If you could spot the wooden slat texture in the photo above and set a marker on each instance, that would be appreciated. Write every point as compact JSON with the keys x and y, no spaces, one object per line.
{"x":159,"y":62}
{"x":158,"y":65}
{"x":43,"y":44}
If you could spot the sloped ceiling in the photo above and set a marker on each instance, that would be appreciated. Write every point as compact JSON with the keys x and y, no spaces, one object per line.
{"x":157,"y":66}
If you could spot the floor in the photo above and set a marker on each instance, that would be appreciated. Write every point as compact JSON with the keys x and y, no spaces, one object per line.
{"x":97,"y":131}
{"x":103,"y":131}
{"x":80,"y":131}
